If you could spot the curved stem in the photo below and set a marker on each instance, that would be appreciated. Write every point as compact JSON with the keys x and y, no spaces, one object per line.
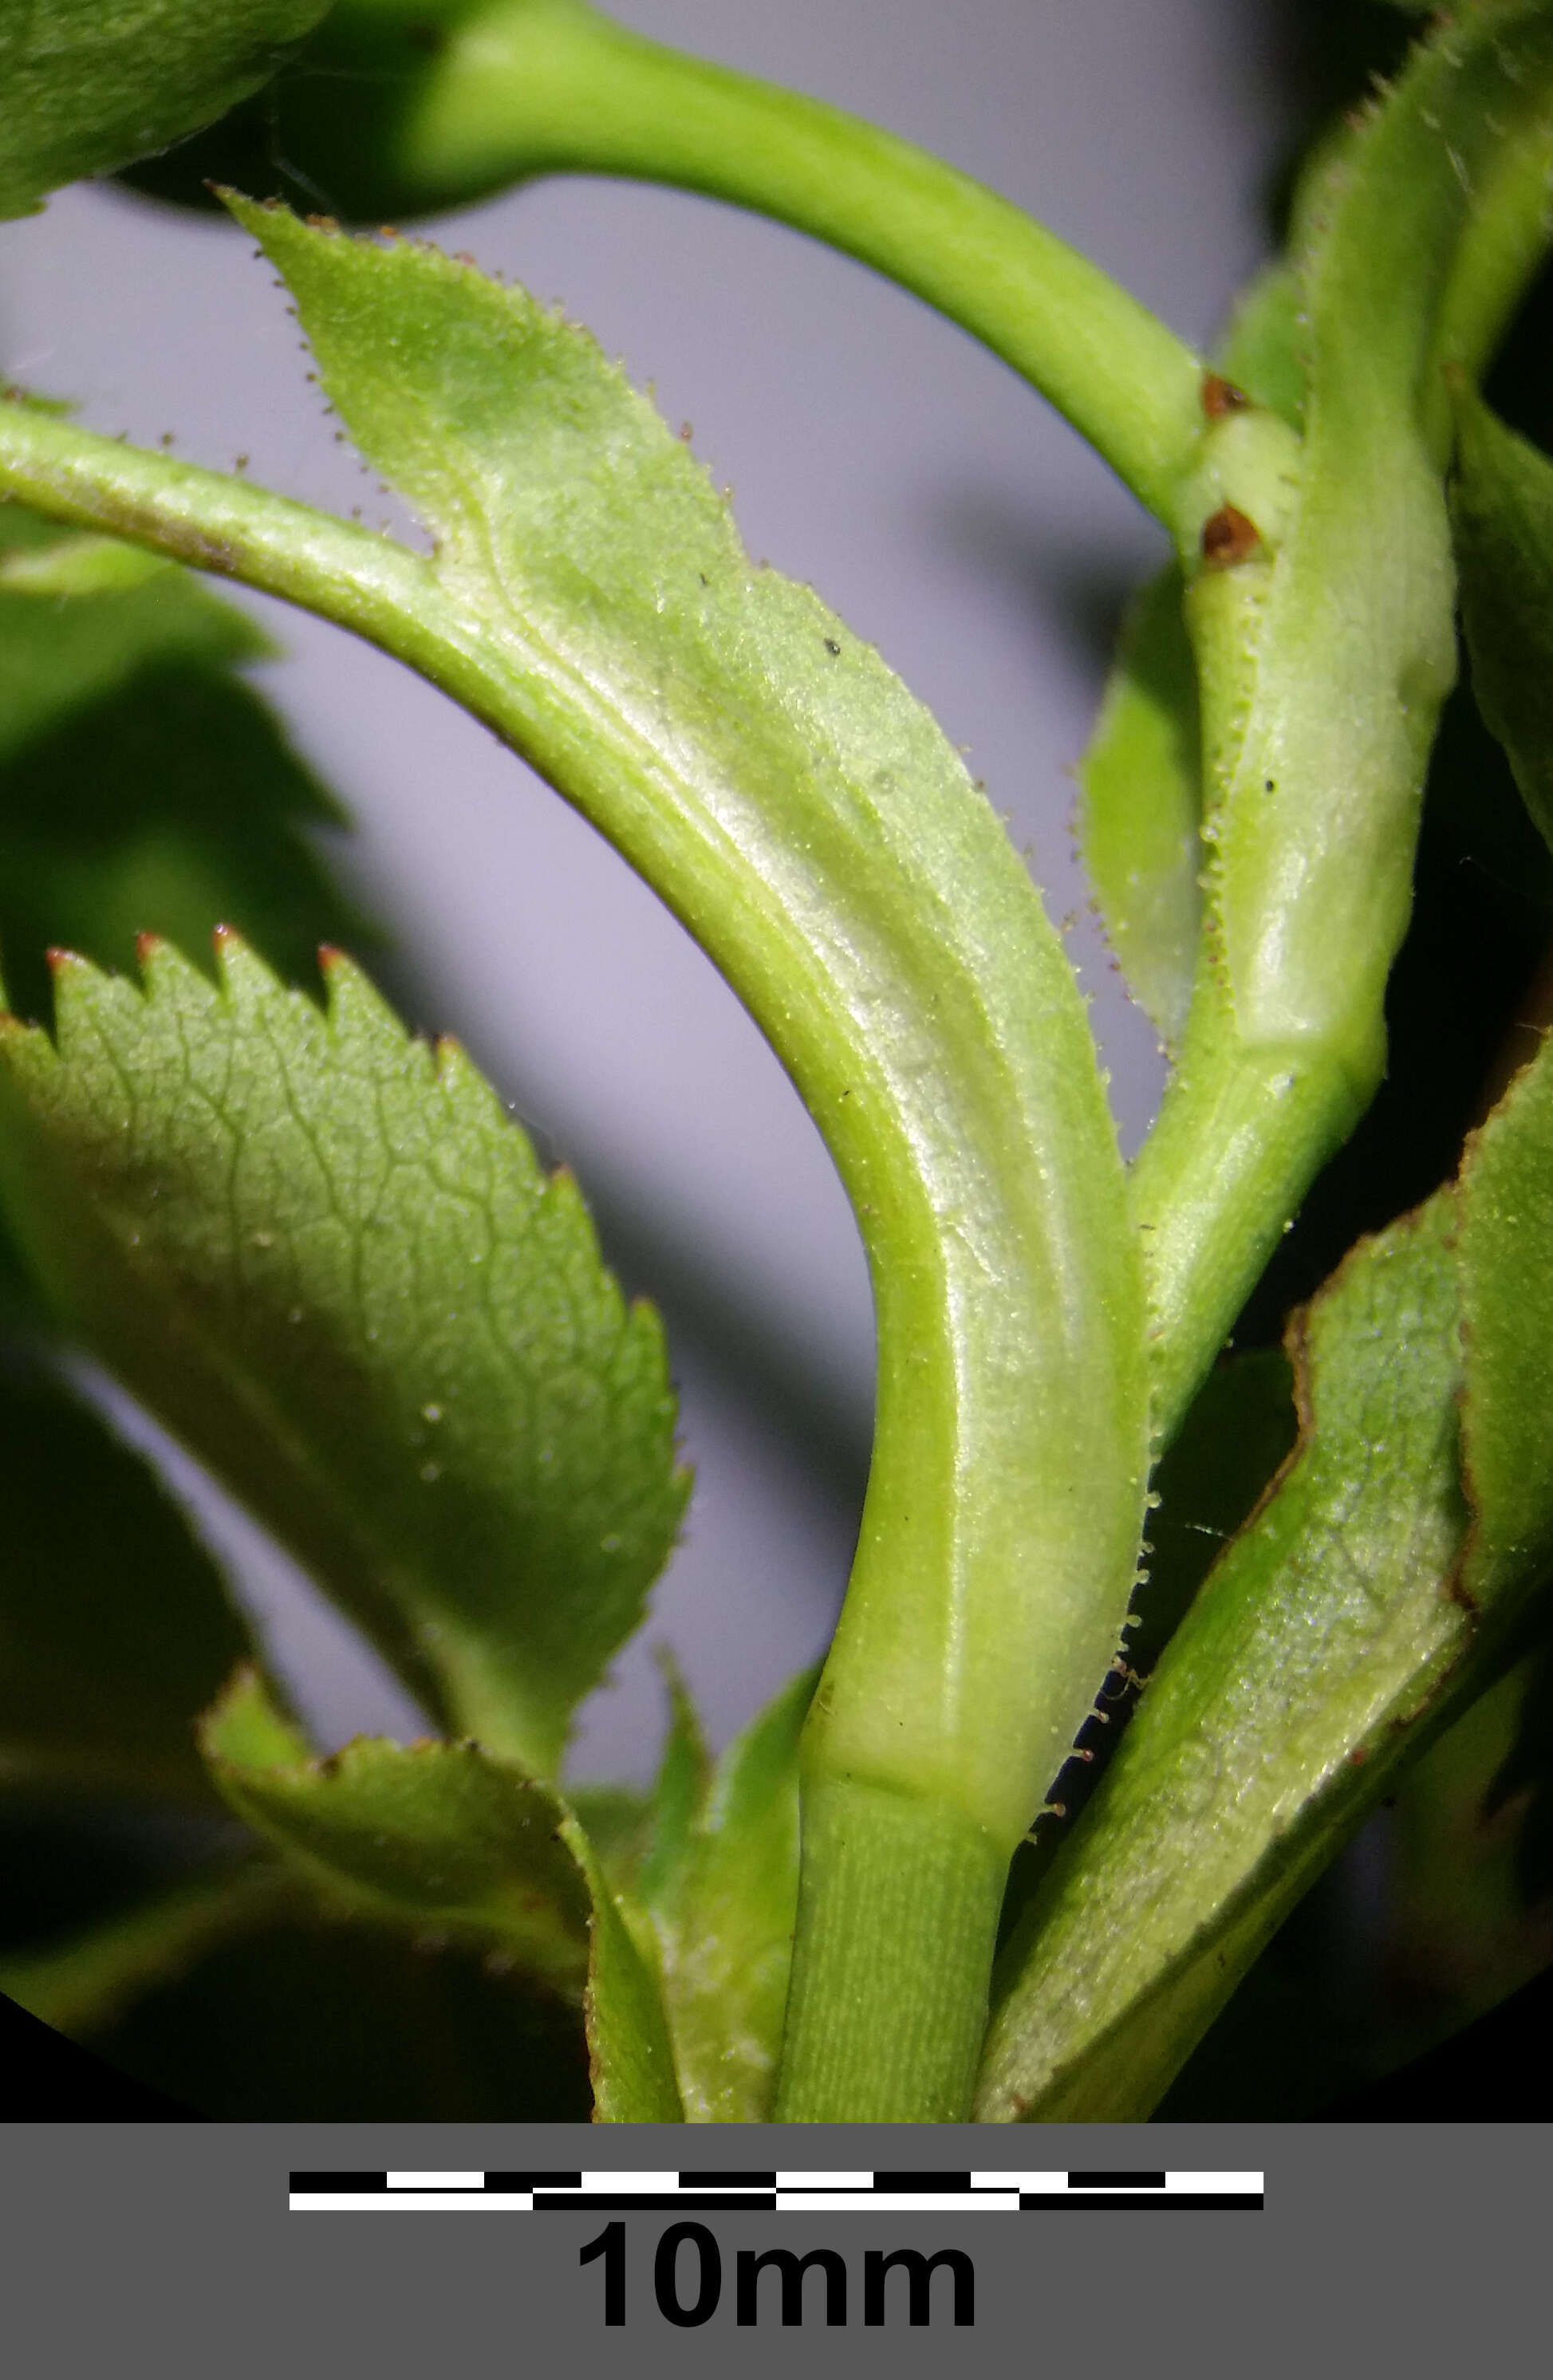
{"x":529,"y":86}
{"x":870,"y":912}
{"x":1324,"y":657}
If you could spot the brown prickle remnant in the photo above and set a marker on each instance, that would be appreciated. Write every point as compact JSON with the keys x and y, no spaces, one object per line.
{"x":1221,"y":396}
{"x":1229,"y":535}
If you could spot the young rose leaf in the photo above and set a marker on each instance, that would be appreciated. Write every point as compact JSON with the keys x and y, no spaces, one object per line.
{"x":1141,"y":804}
{"x":1501,"y":505}
{"x":143,"y":786}
{"x":630,"y":2056}
{"x":679,"y":1791}
{"x":115,"y":1628}
{"x":89,"y":86}
{"x":1294,"y":1681}
{"x":325,"y":1255}
{"x":726,"y":1933}
{"x":437,"y":1834}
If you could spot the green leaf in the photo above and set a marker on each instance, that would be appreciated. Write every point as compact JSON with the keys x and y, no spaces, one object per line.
{"x":91,"y":84}
{"x":631,"y":2058}
{"x":1505,"y":1254}
{"x":1294,"y":1684}
{"x":679,"y":1791}
{"x":1262,"y":350}
{"x":437,"y":1834}
{"x":115,"y":1628}
{"x":1141,"y":804}
{"x":727,"y":1934}
{"x":1501,"y":506}
{"x":143,"y":787}
{"x":325,"y":1255}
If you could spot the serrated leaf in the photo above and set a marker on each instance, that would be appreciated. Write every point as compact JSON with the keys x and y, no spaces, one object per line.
{"x":91,"y":84}
{"x":329,"y":1260}
{"x":678,"y":1794}
{"x":1501,"y":505}
{"x":1505,"y":1255}
{"x":143,"y":786}
{"x":115,"y":1627}
{"x":435,"y":1834}
{"x":727,"y":1934}
{"x":1141,"y":806}
{"x":631,"y":2058}
{"x":1314,"y":1647}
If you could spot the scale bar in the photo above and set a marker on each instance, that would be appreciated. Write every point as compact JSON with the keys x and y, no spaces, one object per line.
{"x":704,"y":2191}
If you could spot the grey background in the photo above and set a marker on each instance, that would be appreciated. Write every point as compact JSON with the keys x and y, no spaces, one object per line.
{"x":872,"y":449}
{"x":1385,"y":2249}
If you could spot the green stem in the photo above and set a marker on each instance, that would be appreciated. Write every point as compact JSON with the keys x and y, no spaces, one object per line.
{"x":887,"y":938}
{"x":894,"y":2036}
{"x":1324,"y":659}
{"x":530,"y":87}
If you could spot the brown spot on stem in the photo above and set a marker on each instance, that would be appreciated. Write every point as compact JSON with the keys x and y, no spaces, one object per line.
{"x":1229,"y":536}
{"x":1221,"y":396}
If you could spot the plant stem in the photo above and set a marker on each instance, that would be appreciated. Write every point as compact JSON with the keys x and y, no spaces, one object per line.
{"x":1325,"y":672}
{"x":530,"y":87}
{"x":894,"y":2038}
{"x":880,"y":928}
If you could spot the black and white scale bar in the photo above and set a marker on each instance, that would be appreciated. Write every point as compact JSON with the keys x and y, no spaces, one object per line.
{"x":705,"y":2191}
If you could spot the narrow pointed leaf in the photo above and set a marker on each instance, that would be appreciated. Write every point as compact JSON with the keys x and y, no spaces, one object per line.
{"x":678,"y":1794}
{"x":1141,"y":805}
{"x":727,"y":1939}
{"x":116,"y":1626}
{"x":88,"y":85}
{"x":630,"y":2056}
{"x":436,"y":1833}
{"x":1297,"y":1678}
{"x":1502,"y":510}
{"x":329,"y":1260}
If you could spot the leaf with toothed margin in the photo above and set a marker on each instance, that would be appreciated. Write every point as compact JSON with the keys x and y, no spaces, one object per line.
{"x":89,"y":86}
{"x":1140,"y":804}
{"x":1373,"y":1592}
{"x":436,"y":1833}
{"x":725,"y":1918}
{"x":1300,"y":1675}
{"x":328,"y":1260}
